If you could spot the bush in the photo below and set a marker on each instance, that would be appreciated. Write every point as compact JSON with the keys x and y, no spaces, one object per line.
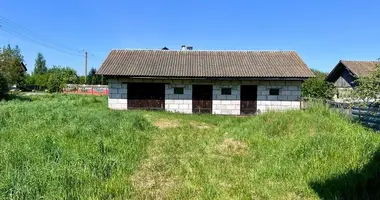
{"x":54,"y":83}
{"x":318,"y":88}
{"x":3,"y":86}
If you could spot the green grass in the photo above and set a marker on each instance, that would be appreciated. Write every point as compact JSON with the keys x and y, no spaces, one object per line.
{"x":73,"y":147}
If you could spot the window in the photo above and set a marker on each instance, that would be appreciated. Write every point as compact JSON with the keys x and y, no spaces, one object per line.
{"x":274,"y":91}
{"x":178,"y":90}
{"x":226,"y":91}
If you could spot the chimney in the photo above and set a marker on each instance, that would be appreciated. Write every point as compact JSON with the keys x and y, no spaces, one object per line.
{"x":183,"y":48}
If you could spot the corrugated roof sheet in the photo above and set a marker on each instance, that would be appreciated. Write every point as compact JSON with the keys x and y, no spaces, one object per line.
{"x":360,"y":68}
{"x":203,"y":64}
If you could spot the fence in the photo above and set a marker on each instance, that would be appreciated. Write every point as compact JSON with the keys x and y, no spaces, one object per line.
{"x":86,"y":89}
{"x":367,"y":115}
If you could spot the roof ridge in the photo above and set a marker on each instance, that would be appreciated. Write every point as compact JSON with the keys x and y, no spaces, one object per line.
{"x":367,"y":61}
{"x":205,"y":50}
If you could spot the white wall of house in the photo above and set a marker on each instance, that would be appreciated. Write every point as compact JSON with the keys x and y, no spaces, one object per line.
{"x":178,"y":102}
{"x":117,"y":95}
{"x":288,"y":98}
{"x":226,"y":104}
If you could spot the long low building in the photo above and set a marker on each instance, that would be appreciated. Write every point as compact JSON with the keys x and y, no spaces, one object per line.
{"x":192,"y":81}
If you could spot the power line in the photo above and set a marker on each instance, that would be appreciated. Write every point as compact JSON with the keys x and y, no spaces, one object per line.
{"x":17,"y":27}
{"x":28,"y":35}
{"x":30,"y":39}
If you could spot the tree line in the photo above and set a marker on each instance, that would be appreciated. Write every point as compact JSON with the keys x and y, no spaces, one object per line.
{"x":52,"y":79}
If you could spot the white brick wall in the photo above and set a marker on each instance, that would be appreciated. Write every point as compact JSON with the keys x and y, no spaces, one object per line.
{"x":226,"y":104}
{"x":117,"y":97}
{"x":289,"y":97}
{"x":178,"y":102}
{"x":290,"y":93}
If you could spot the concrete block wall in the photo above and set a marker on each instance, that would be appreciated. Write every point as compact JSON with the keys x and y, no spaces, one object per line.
{"x":117,"y":97}
{"x":226,"y":104}
{"x":178,"y":102}
{"x":289,"y":97}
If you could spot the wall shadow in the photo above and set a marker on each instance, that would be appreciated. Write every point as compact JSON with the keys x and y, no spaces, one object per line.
{"x":363,"y":184}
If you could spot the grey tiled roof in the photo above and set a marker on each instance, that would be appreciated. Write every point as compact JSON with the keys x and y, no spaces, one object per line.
{"x":204,"y":64}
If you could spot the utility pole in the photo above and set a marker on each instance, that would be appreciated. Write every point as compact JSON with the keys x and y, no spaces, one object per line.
{"x":85,"y":67}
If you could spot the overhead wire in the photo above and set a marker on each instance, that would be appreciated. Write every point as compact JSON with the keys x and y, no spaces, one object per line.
{"x":26,"y":34}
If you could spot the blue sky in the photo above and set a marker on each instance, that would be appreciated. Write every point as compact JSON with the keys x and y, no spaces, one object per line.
{"x":322,"y":32}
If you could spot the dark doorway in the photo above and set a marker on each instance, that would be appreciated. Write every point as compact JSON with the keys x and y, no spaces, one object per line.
{"x":202,"y":98}
{"x":248,"y":99}
{"x":149,"y":96}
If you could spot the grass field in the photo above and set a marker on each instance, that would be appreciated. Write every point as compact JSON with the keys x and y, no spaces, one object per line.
{"x":73,"y":147}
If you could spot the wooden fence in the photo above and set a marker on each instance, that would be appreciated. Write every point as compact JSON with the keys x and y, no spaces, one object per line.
{"x":367,"y":115}
{"x":97,"y":90}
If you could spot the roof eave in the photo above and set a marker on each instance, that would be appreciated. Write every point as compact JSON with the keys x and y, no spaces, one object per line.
{"x":210,"y":77}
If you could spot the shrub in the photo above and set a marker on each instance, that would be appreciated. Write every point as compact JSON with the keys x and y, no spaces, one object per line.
{"x":318,"y":88}
{"x":54,"y":83}
{"x":3,"y":86}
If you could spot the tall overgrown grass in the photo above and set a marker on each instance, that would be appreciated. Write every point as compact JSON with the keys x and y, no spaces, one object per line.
{"x":68,"y":147}
{"x":73,"y":147}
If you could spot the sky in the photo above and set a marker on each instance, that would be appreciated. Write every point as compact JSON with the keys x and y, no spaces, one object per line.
{"x":321,"y":31}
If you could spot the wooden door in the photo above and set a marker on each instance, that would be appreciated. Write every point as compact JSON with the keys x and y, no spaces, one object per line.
{"x":148,"y":96}
{"x":248,"y":99}
{"x":202,"y":98}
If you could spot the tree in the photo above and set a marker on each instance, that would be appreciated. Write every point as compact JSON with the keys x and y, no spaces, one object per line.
{"x":368,"y":88}
{"x":54,"y":82}
{"x":319,"y":74}
{"x":93,"y":78}
{"x":317,"y":87}
{"x":59,"y":77}
{"x":11,"y":65}
{"x":41,"y":80}
{"x":3,"y":86}
{"x":82,"y":80}
{"x":40,"y":65}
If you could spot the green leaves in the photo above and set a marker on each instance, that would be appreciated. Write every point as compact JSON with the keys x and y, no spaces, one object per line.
{"x":318,"y":88}
{"x":3,"y":86}
{"x":93,"y":78}
{"x":10,"y":65}
{"x":368,"y":87}
{"x":40,"y":66}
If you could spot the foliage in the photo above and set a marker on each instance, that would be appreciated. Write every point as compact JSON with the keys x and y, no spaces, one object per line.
{"x":82,"y":80}
{"x":368,"y":88}
{"x":55,"y":83}
{"x":319,"y":74}
{"x":11,"y":65}
{"x":93,"y":78}
{"x":3,"y":86}
{"x":52,"y":148}
{"x":318,"y":88}
{"x":39,"y":80}
{"x":40,"y":65}
{"x":59,"y":77}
